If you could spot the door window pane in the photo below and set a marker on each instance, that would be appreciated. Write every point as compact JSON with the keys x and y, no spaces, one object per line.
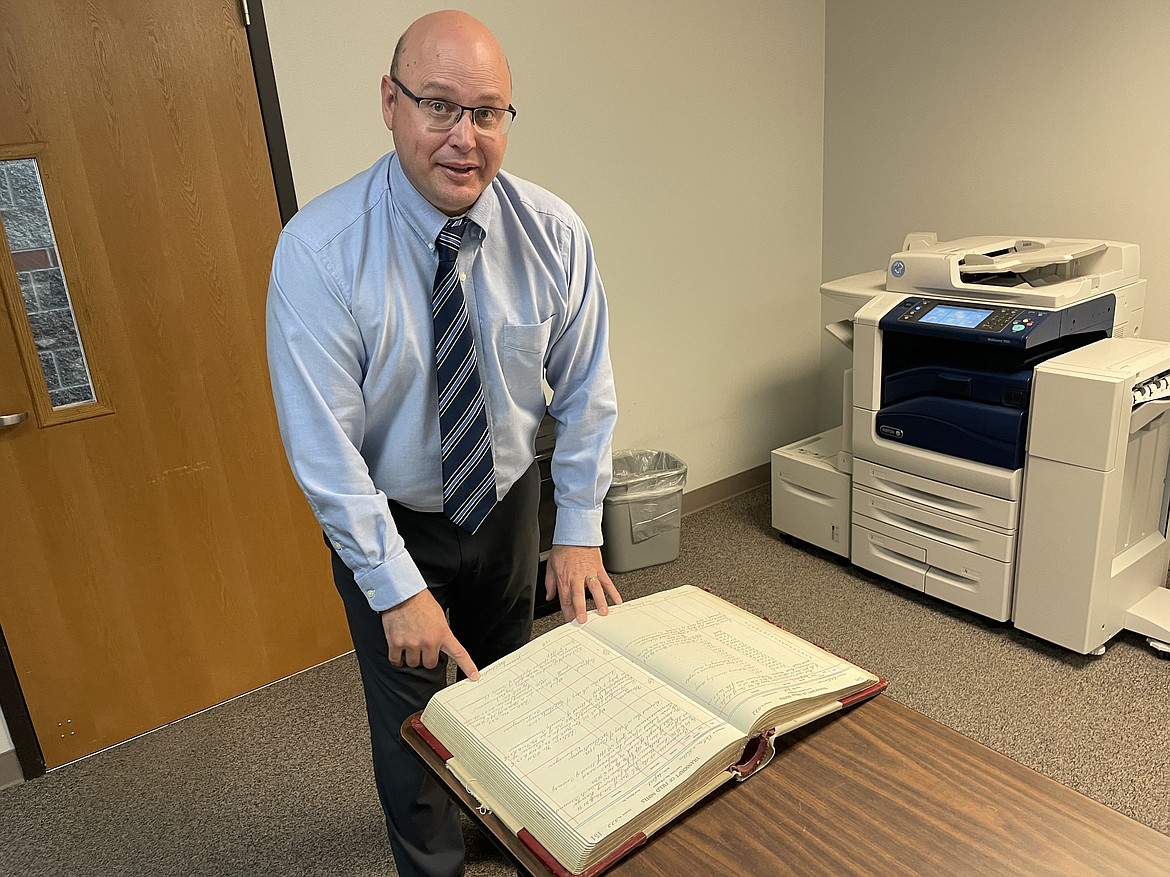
{"x":43,"y":287}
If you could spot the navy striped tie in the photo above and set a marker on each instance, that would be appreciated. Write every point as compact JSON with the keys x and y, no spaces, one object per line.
{"x":469,"y":477}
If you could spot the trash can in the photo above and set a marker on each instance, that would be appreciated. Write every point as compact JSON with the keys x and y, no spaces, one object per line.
{"x":642,"y":512}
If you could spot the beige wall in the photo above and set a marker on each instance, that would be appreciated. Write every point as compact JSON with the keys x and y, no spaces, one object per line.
{"x":686,"y":134}
{"x":1032,"y":117}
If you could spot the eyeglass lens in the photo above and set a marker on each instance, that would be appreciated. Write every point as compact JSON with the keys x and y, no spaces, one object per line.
{"x":443,"y":115}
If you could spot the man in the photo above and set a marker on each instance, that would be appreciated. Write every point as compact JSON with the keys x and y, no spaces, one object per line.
{"x":421,"y":472}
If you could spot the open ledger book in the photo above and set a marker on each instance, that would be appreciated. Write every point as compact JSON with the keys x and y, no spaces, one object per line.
{"x":591,"y":737}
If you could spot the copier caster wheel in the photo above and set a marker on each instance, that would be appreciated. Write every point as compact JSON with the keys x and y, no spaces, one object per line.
{"x":1160,"y":647}
{"x":1098,"y":652}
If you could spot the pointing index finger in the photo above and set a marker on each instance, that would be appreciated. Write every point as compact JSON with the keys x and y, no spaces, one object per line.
{"x":453,"y":648}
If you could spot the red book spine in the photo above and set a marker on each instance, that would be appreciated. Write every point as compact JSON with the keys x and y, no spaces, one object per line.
{"x":432,"y":740}
{"x":865,"y":694}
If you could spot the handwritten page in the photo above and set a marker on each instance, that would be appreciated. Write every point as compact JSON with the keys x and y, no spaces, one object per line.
{"x":731,"y":661}
{"x":591,"y":735}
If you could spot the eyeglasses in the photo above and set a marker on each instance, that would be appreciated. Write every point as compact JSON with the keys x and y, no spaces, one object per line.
{"x":443,"y":115}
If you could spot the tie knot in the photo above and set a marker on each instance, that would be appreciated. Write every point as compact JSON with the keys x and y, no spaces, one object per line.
{"x":449,"y":239}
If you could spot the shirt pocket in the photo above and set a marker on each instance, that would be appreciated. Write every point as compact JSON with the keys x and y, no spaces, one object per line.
{"x":528,"y":337}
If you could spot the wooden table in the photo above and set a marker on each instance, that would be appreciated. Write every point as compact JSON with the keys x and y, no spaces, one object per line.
{"x":878,"y":790}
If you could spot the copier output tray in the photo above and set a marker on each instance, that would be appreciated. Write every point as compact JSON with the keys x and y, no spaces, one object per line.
{"x":978,"y":385}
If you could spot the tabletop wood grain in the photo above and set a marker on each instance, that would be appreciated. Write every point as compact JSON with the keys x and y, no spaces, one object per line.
{"x":880,"y":790}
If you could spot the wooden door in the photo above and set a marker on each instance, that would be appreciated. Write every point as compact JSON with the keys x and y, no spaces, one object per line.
{"x":155,"y":555}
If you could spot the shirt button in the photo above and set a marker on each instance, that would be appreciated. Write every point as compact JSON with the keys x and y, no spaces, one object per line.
{"x":463,"y":278}
{"x":337,"y":545}
{"x":370,"y":592}
{"x":430,"y":246}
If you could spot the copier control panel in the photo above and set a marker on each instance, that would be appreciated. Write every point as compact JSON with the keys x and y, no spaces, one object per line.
{"x":1005,"y":325}
{"x":1012,"y":325}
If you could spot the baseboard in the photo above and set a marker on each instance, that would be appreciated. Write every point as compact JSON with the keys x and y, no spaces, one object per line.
{"x":726,"y":488}
{"x":10,"y":772}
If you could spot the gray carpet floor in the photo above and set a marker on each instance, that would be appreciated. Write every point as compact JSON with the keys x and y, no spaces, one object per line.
{"x":278,"y":782}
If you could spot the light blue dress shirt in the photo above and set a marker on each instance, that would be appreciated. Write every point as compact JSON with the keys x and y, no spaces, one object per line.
{"x":351,"y":356}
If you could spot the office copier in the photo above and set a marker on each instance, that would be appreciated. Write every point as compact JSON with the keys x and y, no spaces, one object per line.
{"x":1004,"y":444}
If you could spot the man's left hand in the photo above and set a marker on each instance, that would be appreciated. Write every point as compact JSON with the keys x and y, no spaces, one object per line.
{"x":574,"y":569}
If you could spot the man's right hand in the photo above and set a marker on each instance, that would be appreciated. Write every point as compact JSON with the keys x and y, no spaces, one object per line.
{"x":416,"y":631}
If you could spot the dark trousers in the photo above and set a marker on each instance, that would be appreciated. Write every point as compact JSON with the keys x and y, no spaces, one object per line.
{"x":486,"y":582}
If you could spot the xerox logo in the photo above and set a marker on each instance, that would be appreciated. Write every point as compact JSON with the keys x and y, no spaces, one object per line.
{"x":891,"y":431}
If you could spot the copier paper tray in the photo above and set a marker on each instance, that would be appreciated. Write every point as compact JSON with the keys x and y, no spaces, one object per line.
{"x":991,"y":434}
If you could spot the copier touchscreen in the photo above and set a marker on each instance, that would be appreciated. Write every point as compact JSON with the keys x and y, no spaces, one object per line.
{"x":948,"y":315}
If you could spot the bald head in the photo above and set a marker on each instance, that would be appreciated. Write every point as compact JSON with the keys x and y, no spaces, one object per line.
{"x":426,"y":35}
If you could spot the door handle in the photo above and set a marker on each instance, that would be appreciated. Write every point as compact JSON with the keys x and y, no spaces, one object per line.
{"x":13,"y":419}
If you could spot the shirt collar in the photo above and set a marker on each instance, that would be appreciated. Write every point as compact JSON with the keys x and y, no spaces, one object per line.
{"x":423,"y":217}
